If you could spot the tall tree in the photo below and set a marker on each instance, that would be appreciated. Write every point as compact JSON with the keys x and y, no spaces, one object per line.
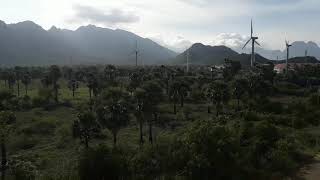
{"x":240,"y":87}
{"x":73,"y":85}
{"x":4,"y":76}
{"x":178,"y":89}
{"x":26,"y":80}
{"x":55,"y":75}
{"x":113,"y":111}
{"x":139,"y":95}
{"x":217,"y":92}
{"x":153,"y":96}
{"x":85,"y":127}
{"x":7,"y":118}
{"x":11,"y":80}
{"x":92,"y":84}
{"x":18,"y":74}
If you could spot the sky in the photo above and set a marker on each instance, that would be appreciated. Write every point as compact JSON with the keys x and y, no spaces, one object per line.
{"x":177,"y":24}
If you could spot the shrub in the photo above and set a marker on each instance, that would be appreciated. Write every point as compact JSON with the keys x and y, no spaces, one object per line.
{"x":102,"y":163}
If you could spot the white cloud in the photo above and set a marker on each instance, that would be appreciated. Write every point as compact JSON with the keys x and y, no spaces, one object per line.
{"x":230,"y":39}
{"x":88,"y":14}
{"x":178,"y":43}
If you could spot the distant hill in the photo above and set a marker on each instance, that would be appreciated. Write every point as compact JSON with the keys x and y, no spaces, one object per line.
{"x":202,"y":54}
{"x":214,"y":55}
{"x":27,"y":43}
{"x":298,"y":49}
{"x":307,"y":59}
{"x":245,"y":59}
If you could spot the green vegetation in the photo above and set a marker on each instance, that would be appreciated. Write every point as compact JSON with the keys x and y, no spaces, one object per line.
{"x":157,"y":122}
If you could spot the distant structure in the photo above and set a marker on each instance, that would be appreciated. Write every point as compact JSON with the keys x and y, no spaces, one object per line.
{"x":136,"y":53}
{"x":306,"y":53}
{"x":288,"y":45}
{"x":188,"y":57}
{"x":253,"y":39}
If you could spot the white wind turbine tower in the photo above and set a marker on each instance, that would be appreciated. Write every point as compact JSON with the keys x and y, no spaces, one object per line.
{"x":253,"y":39}
{"x":288,"y":45}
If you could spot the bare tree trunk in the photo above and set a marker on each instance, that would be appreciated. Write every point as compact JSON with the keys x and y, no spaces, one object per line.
{"x":18,"y":84}
{"x":150,"y":132}
{"x":141,"y":132}
{"x":26,"y":89}
{"x":114,"y":139}
{"x":181,"y":101}
{"x":86,"y":142}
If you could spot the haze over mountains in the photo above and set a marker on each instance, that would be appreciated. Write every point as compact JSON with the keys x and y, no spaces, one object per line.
{"x":27,"y":43}
{"x":215,"y":55}
{"x":297,"y":49}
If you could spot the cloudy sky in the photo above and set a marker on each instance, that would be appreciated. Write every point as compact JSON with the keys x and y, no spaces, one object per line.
{"x":178,"y":23}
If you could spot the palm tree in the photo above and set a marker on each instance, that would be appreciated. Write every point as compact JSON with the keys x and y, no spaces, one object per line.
{"x":85,"y":127}
{"x":26,"y":80}
{"x":45,"y":81}
{"x":217,"y":93}
{"x":92,"y":84}
{"x":6,"y":119}
{"x":110,"y":73}
{"x":140,"y":98}
{"x":11,"y":80}
{"x":18,"y":74}
{"x":240,"y":87}
{"x":135,"y":81}
{"x":4,"y":76}
{"x":54,"y":75}
{"x":179,"y":88}
{"x":153,"y":96}
{"x":73,"y":85}
{"x":113,"y":112}
{"x":174,"y":92}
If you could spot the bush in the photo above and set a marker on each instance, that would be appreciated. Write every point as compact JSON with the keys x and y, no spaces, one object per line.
{"x":251,"y":116}
{"x":272,"y":107}
{"x":39,"y":127}
{"x":23,"y":142}
{"x":103,"y":163}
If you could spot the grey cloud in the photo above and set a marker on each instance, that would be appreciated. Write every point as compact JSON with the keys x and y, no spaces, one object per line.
{"x":177,"y":44}
{"x":230,"y":39}
{"x":93,"y":15}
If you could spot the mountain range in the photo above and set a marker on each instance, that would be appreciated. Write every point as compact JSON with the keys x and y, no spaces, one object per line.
{"x":298,"y":49}
{"x":27,"y":43}
{"x":215,"y":55}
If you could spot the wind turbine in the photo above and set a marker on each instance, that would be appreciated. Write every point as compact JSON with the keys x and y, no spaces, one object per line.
{"x":253,"y":39}
{"x":288,"y":45}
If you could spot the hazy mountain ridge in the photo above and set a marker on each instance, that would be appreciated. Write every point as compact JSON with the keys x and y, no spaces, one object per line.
{"x":27,"y":43}
{"x":202,"y":54}
{"x":297,"y":49}
{"x":215,"y":55}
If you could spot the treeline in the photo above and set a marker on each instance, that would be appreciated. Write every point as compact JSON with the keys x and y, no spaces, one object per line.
{"x":242,"y":134}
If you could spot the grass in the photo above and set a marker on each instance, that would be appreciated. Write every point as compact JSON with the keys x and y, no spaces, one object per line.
{"x":45,"y":137}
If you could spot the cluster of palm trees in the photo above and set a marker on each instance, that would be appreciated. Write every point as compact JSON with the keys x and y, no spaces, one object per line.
{"x":140,"y":91}
{"x":15,"y":76}
{"x":116,"y":93}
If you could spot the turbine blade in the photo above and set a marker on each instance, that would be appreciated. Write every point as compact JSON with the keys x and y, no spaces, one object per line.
{"x":251,"y":28}
{"x":257,"y":43}
{"x":246,"y":43}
